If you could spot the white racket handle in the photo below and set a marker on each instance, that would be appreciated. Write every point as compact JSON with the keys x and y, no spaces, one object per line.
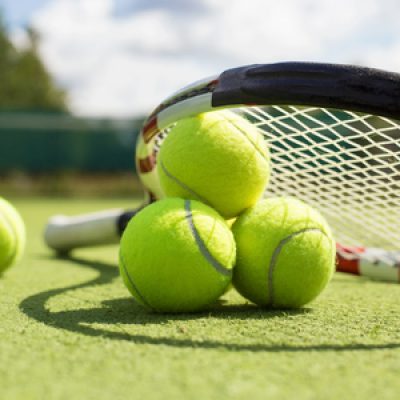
{"x":64,"y":233}
{"x":370,"y":262}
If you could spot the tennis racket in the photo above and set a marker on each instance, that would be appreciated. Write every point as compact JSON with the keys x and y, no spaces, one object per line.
{"x":334,"y":136}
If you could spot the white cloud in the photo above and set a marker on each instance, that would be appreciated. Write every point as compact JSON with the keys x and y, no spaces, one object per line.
{"x":122,"y":57}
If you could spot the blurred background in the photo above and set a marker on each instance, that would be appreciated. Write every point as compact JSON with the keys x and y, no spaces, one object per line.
{"x":77,"y":77}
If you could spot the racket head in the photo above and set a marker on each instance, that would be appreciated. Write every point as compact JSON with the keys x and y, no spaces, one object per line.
{"x":333,"y":131}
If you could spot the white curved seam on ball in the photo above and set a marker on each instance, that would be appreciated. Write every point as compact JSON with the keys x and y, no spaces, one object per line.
{"x":181,"y":184}
{"x":201,"y":245}
{"x":275,"y":256}
{"x":15,"y":236}
{"x":265,"y":157}
{"x":133,"y":284}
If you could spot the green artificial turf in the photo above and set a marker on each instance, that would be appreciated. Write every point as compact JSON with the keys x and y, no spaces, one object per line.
{"x":70,"y":330}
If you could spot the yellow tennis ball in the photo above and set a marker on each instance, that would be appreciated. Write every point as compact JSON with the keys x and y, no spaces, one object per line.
{"x":285,"y":253}
{"x":218,"y":158}
{"x":12,"y":235}
{"x":177,"y":256}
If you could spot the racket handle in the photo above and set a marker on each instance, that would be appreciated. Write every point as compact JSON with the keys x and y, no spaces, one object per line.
{"x":64,"y":233}
{"x":373,"y":263}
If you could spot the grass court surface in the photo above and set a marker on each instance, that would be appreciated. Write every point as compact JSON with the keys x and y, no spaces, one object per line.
{"x":70,"y":330}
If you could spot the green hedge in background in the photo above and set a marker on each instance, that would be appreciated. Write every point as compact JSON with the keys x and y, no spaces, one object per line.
{"x":52,"y":142}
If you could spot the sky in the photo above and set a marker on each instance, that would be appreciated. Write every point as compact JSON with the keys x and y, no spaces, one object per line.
{"x":120,"y":58}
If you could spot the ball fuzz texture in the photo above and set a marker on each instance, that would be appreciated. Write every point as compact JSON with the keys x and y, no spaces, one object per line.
{"x":177,"y":256}
{"x":285,"y":253}
{"x":218,"y":158}
{"x":12,"y":235}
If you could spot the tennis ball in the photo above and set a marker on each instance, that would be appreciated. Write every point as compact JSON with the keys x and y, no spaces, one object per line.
{"x":218,"y":158}
{"x":177,"y":256}
{"x":285,"y":253}
{"x":12,"y":235}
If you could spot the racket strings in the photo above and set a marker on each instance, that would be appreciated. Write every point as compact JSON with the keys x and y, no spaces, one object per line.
{"x":344,"y":163}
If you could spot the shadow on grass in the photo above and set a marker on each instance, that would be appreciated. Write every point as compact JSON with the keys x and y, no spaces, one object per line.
{"x":125,"y":311}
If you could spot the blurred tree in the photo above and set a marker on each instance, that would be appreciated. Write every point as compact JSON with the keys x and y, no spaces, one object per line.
{"x":25,"y":83}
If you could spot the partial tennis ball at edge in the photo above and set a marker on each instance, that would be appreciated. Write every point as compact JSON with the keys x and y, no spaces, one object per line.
{"x":285,"y":253}
{"x":177,"y":256}
{"x":12,"y":235}
{"x":218,"y":158}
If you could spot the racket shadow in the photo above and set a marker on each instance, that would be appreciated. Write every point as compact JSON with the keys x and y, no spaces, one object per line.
{"x":123,"y":313}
